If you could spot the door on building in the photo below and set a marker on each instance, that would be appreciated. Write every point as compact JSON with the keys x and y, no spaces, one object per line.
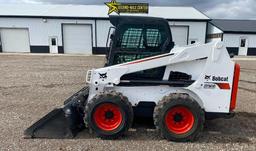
{"x":53,"y":44}
{"x":15,"y":40}
{"x":180,"y":35}
{"x":243,"y":48}
{"x":0,"y":43}
{"x":77,"y":38}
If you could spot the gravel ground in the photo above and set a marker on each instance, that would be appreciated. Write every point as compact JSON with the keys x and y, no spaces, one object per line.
{"x":31,"y":86}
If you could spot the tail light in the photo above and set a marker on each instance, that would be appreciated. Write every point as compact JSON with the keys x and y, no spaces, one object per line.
{"x":235,"y":87}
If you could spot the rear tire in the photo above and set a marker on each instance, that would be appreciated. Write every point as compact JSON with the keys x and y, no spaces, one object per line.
{"x":109,"y":115}
{"x":178,"y":117}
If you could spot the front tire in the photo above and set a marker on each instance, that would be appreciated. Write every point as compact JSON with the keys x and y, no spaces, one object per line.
{"x":109,"y":115}
{"x":178,"y":117}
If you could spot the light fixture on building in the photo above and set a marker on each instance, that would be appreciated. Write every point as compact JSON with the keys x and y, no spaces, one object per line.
{"x":44,"y":20}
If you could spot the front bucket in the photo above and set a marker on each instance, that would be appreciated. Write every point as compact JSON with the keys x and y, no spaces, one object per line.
{"x":63,"y":122}
{"x":53,"y":125}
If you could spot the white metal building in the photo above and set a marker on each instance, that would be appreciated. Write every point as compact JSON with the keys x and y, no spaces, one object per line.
{"x":83,"y":29}
{"x":239,"y":36}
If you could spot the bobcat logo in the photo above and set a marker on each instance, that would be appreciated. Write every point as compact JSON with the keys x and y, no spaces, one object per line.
{"x":207,"y":77}
{"x":103,"y":75}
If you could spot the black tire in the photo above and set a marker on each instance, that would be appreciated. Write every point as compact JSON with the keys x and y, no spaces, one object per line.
{"x":116,"y":100}
{"x":173,"y":102}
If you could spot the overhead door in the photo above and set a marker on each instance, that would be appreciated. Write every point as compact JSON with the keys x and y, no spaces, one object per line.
{"x":77,"y":39}
{"x":180,"y":35}
{"x":15,"y":40}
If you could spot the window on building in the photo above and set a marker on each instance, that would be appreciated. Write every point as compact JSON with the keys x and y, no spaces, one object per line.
{"x":242,"y":42}
{"x":53,"y":41}
{"x":193,"y":41}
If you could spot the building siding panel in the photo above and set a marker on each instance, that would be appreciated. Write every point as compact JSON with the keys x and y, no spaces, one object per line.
{"x":251,"y":51}
{"x":233,"y":40}
{"x":40,"y":29}
{"x":197,"y":30}
{"x":233,"y":50}
{"x":39,"y":49}
{"x":99,"y":50}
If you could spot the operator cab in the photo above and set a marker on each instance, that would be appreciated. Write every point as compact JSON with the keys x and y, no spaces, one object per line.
{"x":134,"y":37}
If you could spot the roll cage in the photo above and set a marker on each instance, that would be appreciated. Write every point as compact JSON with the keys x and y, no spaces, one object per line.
{"x":137,"y":37}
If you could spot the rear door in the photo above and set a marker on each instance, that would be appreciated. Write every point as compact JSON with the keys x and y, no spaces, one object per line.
{"x":180,"y":35}
{"x":15,"y":40}
{"x":53,"y":44}
{"x":243,"y":48}
{"x":77,"y":39}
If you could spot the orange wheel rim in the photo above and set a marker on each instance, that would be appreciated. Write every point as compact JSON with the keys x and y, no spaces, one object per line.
{"x":179,"y":120}
{"x":108,"y":116}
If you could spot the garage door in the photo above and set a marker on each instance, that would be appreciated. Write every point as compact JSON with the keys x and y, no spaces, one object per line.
{"x":77,"y":39}
{"x":180,"y":35}
{"x":15,"y":40}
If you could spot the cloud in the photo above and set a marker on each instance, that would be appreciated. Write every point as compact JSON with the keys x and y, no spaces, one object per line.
{"x":21,"y":1}
{"x":32,"y":2}
{"x":239,"y":9}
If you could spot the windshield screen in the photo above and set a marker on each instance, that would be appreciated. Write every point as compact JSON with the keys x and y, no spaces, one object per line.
{"x":138,"y":41}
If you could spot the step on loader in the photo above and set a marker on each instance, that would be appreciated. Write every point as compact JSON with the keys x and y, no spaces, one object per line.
{"x":146,"y":75}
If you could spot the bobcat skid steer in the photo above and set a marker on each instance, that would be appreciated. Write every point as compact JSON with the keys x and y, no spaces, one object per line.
{"x":146,"y":76}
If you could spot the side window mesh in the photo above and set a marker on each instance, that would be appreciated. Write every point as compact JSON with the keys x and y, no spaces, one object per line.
{"x":137,"y":42}
{"x":153,"y":38}
{"x":132,"y":38}
{"x":139,"y":38}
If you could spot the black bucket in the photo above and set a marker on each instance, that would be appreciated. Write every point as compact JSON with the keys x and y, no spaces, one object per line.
{"x":63,"y":122}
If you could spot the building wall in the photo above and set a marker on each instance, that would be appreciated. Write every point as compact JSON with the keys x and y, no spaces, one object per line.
{"x":213,"y":33}
{"x":197,"y":30}
{"x":102,"y":29}
{"x":213,"y":29}
{"x":102,"y":32}
{"x":40,"y":30}
{"x":232,"y":42}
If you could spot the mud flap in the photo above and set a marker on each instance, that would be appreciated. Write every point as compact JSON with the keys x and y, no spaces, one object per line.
{"x":63,"y":122}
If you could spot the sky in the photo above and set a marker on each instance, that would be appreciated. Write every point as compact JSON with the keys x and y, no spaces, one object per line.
{"x":216,"y":9}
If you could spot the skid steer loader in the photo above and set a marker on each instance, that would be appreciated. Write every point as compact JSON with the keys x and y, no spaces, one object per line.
{"x":145,"y":75}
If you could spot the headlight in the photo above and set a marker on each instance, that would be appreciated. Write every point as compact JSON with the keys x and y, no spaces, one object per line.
{"x":89,"y":76}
